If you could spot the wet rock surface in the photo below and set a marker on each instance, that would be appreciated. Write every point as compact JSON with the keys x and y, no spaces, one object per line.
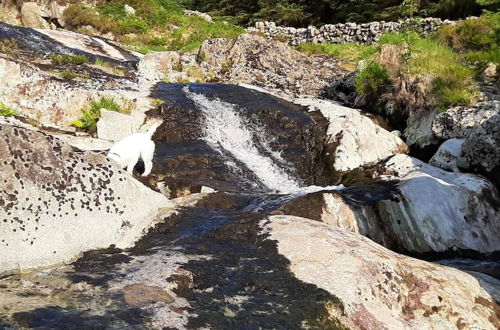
{"x":416,"y":212}
{"x":189,"y":157}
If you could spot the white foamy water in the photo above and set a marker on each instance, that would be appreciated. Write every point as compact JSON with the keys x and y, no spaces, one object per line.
{"x":226,"y":130}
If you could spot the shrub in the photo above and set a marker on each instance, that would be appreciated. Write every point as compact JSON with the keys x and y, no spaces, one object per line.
{"x":477,"y":40}
{"x":90,"y":115}
{"x":372,"y":79}
{"x":6,"y":111}
{"x":474,"y":34}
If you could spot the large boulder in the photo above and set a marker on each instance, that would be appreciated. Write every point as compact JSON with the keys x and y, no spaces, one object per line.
{"x":447,"y":155}
{"x":460,"y":122}
{"x":425,"y":210}
{"x":38,"y":88}
{"x":114,"y":126}
{"x":481,"y":150}
{"x":380,"y":289}
{"x":57,"y":202}
{"x":251,"y":59}
{"x":418,"y":131}
{"x":353,"y":140}
{"x":31,"y":16}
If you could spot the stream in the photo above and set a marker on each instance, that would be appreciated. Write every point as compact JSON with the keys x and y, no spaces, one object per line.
{"x":209,"y":266}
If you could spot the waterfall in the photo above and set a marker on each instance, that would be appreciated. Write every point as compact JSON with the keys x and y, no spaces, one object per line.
{"x":227,"y":131}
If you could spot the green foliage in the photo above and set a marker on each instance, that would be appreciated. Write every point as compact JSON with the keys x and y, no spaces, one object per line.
{"x":452,"y":83}
{"x":158,"y":25}
{"x":6,"y":111}
{"x":372,"y":79}
{"x":476,"y":40}
{"x":90,"y":115}
{"x":68,"y":59}
{"x":68,"y":75}
{"x":475,"y":34}
{"x":350,"y":53}
{"x":302,"y":13}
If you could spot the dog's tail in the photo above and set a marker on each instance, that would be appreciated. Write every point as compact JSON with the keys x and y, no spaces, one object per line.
{"x":152,"y":130}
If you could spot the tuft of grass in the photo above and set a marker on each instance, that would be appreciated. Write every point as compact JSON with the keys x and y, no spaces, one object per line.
{"x":68,"y":59}
{"x":156,"y":103}
{"x":6,"y":111}
{"x":91,"y":114}
{"x":372,"y":79}
{"x":100,"y":62}
{"x":349,"y":53}
{"x":68,"y":75}
{"x":452,"y":82}
{"x":7,"y":45}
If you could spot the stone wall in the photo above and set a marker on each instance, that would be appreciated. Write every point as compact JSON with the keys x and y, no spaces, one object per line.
{"x":345,"y":32}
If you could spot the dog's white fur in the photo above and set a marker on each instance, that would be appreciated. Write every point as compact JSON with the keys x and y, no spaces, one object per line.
{"x":127,"y":151}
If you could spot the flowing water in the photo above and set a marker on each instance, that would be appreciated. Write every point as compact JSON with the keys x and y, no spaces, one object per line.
{"x":222,"y":271}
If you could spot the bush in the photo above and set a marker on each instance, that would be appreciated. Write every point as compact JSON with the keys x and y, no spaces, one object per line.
{"x":90,"y":115}
{"x":474,"y":34}
{"x":372,"y":79}
{"x":6,"y":111}
{"x":477,"y":40}
{"x":426,"y":59}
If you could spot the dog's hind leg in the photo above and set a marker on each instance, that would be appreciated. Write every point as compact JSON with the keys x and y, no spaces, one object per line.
{"x":130,"y":168}
{"x":147,"y":154}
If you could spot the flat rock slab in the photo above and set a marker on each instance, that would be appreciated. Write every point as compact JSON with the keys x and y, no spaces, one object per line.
{"x":380,"y":289}
{"x":57,"y":202}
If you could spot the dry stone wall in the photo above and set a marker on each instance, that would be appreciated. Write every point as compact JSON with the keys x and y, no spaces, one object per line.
{"x":345,"y":32}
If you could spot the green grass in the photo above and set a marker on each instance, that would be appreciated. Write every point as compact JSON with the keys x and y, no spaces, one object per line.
{"x":350,"y":53}
{"x":476,"y":40}
{"x":91,"y":114}
{"x":6,"y":111}
{"x":68,"y":59}
{"x":68,"y":75}
{"x":158,"y":25}
{"x":371,"y":79}
{"x":452,"y":82}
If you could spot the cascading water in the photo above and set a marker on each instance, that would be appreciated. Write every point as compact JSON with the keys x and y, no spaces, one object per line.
{"x":227,"y":131}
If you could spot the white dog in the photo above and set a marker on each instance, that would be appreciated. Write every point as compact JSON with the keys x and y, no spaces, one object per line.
{"x":127,"y":151}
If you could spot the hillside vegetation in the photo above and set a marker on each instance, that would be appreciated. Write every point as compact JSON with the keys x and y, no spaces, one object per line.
{"x":422,"y":73}
{"x":416,"y":73}
{"x":157,"y":25}
{"x":306,"y":12}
